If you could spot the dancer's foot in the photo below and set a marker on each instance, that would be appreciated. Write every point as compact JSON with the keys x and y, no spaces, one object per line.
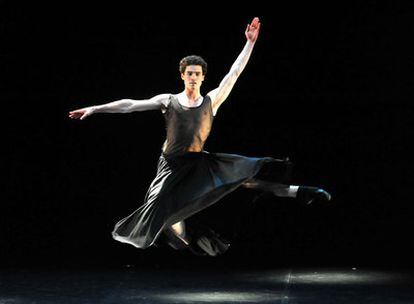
{"x":210,"y":244}
{"x":195,"y":249}
{"x":308,"y":195}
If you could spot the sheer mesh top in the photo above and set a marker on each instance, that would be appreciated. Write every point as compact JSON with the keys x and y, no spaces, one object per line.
{"x":187,"y":127}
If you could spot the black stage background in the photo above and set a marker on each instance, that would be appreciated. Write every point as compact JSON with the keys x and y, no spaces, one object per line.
{"x":331,"y":87}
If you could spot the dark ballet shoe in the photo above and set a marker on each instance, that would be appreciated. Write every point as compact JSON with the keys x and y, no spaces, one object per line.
{"x":308,"y":195}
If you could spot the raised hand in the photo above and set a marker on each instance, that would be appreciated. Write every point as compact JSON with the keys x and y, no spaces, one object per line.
{"x":81,"y":113}
{"x":252,"y":30}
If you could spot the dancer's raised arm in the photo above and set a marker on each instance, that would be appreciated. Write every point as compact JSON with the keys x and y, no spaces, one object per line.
{"x":122,"y":106}
{"x":219,"y":95}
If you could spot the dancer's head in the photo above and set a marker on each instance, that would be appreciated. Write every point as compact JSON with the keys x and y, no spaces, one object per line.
{"x":193,"y":60}
{"x":193,"y":69}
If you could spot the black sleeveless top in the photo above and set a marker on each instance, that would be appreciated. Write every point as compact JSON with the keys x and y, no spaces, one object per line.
{"x":187,"y":127}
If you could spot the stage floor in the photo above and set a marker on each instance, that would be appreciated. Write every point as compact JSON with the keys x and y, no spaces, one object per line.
{"x":131,"y":284}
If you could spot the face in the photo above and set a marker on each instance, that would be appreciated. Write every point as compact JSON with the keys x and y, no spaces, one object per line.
{"x":193,"y":77}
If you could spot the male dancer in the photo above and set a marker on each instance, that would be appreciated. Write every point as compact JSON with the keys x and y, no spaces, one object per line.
{"x":189,"y":179}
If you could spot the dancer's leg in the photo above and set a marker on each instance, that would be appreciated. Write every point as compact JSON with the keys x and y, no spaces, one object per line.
{"x":205,"y":244}
{"x":179,"y":231}
{"x":277,"y":189}
{"x":305,"y":194}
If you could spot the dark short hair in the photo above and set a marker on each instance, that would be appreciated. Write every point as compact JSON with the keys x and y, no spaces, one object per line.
{"x":193,"y":60}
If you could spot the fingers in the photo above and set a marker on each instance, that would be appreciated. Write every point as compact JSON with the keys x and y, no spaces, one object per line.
{"x":252,"y":30}
{"x":247,"y":29}
{"x":255,"y":21}
{"x":76,"y":114}
{"x":73,"y":114}
{"x":84,"y":114}
{"x":257,"y":30}
{"x":254,"y":25}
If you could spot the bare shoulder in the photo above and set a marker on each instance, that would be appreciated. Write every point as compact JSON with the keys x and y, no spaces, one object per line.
{"x":162,"y":99}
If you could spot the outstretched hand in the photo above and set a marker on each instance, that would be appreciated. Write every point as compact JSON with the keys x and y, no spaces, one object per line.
{"x":81,"y":113}
{"x":252,"y":30}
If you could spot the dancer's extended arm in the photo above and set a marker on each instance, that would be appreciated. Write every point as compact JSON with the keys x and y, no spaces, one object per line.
{"x":219,"y":95}
{"x":122,"y":106}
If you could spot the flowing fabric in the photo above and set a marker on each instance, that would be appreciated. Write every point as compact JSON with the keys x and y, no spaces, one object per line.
{"x":189,"y":181}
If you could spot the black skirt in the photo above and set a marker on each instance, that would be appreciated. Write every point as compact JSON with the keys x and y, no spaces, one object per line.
{"x":187,"y":184}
